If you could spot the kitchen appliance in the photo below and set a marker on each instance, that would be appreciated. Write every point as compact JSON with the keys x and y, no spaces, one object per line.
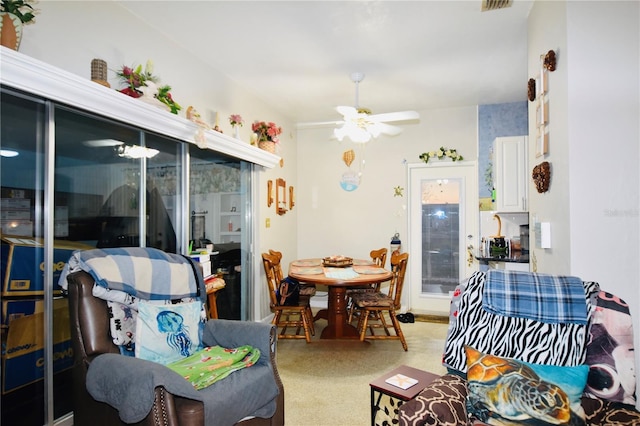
{"x":524,"y":238}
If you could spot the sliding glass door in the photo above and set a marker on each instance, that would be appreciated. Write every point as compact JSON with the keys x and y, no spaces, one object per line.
{"x":72,"y":180}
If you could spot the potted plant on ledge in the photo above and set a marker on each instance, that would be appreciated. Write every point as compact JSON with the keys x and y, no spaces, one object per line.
{"x":13,"y":15}
{"x":266,"y":134}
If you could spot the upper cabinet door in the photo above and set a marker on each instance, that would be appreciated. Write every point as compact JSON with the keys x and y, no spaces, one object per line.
{"x":510,"y":173}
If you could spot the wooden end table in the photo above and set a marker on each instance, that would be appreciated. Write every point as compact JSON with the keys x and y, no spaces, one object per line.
{"x":380,"y":387}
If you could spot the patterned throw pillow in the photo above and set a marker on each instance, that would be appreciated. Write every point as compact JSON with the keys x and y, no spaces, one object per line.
{"x":610,"y":353}
{"x":123,"y":319}
{"x":167,"y":333}
{"x":505,"y":391}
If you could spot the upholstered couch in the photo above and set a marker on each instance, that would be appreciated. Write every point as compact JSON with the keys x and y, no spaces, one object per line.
{"x":93,"y":348}
{"x":604,"y":344}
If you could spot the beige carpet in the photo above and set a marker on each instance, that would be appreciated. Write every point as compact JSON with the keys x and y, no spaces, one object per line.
{"x":326,"y":382}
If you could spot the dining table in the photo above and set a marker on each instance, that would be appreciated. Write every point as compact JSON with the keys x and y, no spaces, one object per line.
{"x":361,"y":273}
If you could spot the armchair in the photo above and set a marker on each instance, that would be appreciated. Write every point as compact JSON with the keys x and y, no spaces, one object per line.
{"x":602,"y":345}
{"x":148,"y":393}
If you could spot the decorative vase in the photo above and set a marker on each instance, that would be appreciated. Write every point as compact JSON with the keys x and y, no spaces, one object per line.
{"x":10,"y":30}
{"x":236,"y":132}
{"x":267,"y":146}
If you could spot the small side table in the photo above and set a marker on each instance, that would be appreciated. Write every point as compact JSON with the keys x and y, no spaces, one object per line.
{"x":380,"y":387}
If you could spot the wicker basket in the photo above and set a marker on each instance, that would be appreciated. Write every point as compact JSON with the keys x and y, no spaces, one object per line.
{"x":337,"y":263}
{"x":267,"y":146}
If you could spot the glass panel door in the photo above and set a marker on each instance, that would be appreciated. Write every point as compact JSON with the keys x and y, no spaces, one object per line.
{"x":219,"y":209}
{"x":23,"y":318}
{"x":440,"y":235}
{"x":443,"y":222}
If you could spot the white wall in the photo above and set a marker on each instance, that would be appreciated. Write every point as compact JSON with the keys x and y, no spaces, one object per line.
{"x":334,"y":221}
{"x":547,"y":30}
{"x":69,"y":34}
{"x":593,"y":204}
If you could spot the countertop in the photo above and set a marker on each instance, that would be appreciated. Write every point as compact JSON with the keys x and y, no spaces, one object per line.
{"x":515,"y":257}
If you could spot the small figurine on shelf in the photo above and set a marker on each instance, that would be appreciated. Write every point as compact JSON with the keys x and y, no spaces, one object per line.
{"x":193,"y":115}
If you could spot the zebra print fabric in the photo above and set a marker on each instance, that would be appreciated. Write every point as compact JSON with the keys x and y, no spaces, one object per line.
{"x":520,"y":338}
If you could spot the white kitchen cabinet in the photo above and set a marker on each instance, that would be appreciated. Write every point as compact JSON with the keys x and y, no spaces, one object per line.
{"x":510,"y":173}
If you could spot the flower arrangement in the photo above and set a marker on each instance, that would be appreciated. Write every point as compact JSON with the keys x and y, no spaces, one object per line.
{"x":135,"y":78}
{"x":266,"y":131}
{"x":440,"y":154}
{"x":20,"y":8}
{"x":236,"y":120}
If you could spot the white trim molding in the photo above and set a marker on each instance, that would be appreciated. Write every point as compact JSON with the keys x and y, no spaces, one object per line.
{"x":30,"y":75}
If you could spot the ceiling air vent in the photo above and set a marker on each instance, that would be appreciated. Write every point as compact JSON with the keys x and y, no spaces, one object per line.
{"x":495,"y":4}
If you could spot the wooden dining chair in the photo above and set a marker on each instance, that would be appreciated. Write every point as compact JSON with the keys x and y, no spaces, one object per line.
{"x":373,"y":305}
{"x":379,"y":259}
{"x":306,"y":289}
{"x":297,"y":316}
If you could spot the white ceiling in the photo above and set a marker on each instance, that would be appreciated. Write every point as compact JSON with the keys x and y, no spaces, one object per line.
{"x":299,"y":55}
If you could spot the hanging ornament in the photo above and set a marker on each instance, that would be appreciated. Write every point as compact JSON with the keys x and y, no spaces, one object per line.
{"x":350,"y":179}
{"x":348,"y":157}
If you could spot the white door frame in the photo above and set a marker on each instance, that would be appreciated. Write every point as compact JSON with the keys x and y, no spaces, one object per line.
{"x":439,"y":304}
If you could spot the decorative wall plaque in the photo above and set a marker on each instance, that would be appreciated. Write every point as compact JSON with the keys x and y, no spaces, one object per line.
{"x":542,"y":176}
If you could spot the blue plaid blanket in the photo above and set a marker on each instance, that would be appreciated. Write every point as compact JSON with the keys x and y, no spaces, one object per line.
{"x":539,"y":297}
{"x":143,"y":272}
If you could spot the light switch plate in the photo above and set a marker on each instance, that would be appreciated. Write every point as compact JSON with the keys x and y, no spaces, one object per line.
{"x":543,"y":234}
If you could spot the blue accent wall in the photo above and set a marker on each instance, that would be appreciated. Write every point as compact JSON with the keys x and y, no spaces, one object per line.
{"x":510,"y":119}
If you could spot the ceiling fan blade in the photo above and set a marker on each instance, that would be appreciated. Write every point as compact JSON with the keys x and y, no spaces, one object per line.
{"x":389,"y":130}
{"x":315,"y":124}
{"x":395,"y":116}
{"x":347,"y":111}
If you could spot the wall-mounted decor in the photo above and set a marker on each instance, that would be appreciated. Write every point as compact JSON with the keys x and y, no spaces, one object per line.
{"x":440,"y":154}
{"x":281,"y":196}
{"x":542,"y":113}
{"x":542,"y":108}
{"x":269,"y":193}
{"x":542,"y":144}
{"x":542,"y":176}
{"x":531,"y":89}
{"x":292,"y":201}
{"x":550,"y":61}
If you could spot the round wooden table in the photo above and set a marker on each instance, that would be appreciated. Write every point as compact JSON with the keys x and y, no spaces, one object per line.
{"x":311,"y":271}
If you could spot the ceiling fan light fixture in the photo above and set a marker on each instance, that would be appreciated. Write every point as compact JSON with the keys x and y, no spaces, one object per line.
{"x":352,"y":131}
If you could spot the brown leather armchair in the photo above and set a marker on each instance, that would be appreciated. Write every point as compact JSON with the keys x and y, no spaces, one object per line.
{"x":90,"y":337}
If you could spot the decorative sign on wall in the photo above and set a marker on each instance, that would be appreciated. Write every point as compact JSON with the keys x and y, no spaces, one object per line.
{"x":542,"y":111}
{"x":538,"y":91}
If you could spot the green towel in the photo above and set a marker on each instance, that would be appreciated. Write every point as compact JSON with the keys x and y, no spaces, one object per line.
{"x":214,"y":363}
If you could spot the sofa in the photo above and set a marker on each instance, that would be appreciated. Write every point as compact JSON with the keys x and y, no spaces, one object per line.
{"x":112,"y":389}
{"x":510,"y":367}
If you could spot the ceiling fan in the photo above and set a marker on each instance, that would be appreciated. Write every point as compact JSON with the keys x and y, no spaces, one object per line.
{"x":359,"y":125}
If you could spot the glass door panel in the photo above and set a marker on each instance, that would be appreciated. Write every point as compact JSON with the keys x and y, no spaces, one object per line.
{"x":164,"y":180}
{"x":218,"y":207}
{"x":440,"y":235}
{"x":23,"y":321}
{"x":443,"y":222}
